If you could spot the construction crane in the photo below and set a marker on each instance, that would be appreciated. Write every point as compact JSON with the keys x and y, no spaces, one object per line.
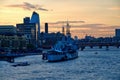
{"x":67,"y":25}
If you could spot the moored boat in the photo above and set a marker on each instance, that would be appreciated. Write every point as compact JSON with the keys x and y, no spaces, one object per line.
{"x":63,"y":50}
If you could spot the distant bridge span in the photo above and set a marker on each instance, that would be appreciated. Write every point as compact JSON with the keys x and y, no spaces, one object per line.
{"x":82,"y":45}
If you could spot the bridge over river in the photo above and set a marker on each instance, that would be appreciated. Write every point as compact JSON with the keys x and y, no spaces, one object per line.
{"x":82,"y":45}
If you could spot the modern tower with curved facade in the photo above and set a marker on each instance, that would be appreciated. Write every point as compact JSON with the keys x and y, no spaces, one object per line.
{"x":35,"y":19}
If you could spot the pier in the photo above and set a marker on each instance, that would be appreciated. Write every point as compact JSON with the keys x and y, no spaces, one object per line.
{"x":10,"y":57}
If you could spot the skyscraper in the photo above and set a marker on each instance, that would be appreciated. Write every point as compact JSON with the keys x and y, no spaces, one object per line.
{"x":35,"y":19}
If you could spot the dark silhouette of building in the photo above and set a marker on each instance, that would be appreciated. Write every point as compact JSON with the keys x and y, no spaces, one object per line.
{"x":35,"y":19}
{"x":46,"y":27}
{"x":7,"y":30}
{"x":26,"y":20}
{"x":48,"y":40}
{"x":63,"y":30}
{"x":29,"y":31}
{"x":9,"y":39}
{"x":30,"y":28}
{"x":117,"y":32}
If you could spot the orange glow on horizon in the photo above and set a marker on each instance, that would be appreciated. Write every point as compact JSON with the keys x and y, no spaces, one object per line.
{"x":92,"y":12}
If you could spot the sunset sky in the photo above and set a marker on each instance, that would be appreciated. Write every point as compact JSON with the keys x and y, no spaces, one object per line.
{"x":101,"y":17}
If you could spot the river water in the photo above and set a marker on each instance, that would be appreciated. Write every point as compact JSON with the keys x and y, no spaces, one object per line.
{"x":92,"y":64}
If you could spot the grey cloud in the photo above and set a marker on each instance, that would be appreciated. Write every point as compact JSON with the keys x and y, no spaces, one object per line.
{"x":94,"y":28}
{"x":70,"y":22}
{"x":64,"y":22}
{"x":98,"y":29}
{"x":28,"y":6}
{"x":86,"y":26}
{"x":42,"y":9}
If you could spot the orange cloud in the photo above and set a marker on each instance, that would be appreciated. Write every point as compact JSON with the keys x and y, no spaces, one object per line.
{"x":114,"y":8}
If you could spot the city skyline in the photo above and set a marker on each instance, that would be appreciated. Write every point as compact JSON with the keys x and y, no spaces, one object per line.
{"x":101,"y":17}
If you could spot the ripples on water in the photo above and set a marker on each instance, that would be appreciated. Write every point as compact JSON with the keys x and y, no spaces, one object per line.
{"x":89,"y":66}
